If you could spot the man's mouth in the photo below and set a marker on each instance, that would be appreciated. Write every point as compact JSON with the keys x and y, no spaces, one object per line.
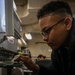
{"x":51,"y":44}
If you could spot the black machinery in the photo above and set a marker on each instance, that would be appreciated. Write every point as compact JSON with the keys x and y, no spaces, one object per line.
{"x":5,"y":61}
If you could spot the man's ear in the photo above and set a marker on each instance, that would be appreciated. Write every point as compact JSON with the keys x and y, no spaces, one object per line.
{"x":68,"y":23}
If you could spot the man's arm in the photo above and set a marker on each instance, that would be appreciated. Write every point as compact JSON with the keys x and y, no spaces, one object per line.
{"x":28,"y":63}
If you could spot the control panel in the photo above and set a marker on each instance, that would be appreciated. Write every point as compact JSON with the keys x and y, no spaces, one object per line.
{"x":5,"y":58}
{"x":6,"y":55}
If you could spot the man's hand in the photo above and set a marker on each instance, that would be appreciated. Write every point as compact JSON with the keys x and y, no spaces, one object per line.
{"x":28,"y":63}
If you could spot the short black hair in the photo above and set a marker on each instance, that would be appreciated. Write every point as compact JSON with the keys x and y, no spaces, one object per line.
{"x":54,"y":6}
{"x":39,"y":56}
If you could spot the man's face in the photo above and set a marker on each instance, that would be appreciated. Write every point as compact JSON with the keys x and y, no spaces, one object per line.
{"x":54,"y":30}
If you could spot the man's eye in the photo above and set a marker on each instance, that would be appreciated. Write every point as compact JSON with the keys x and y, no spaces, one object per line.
{"x":48,"y":30}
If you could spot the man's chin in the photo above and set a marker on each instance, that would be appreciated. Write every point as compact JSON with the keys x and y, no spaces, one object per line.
{"x":52,"y":47}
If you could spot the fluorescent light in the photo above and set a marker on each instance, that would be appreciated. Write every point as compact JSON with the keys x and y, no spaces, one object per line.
{"x":28,"y":36}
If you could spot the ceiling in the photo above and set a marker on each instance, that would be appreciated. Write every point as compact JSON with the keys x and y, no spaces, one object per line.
{"x":27,"y":10}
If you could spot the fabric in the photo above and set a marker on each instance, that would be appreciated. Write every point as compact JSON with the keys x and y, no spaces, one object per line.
{"x":45,"y":63}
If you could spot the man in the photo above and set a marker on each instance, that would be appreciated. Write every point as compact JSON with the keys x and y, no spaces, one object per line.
{"x":58,"y":29}
{"x":41,"y":57}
